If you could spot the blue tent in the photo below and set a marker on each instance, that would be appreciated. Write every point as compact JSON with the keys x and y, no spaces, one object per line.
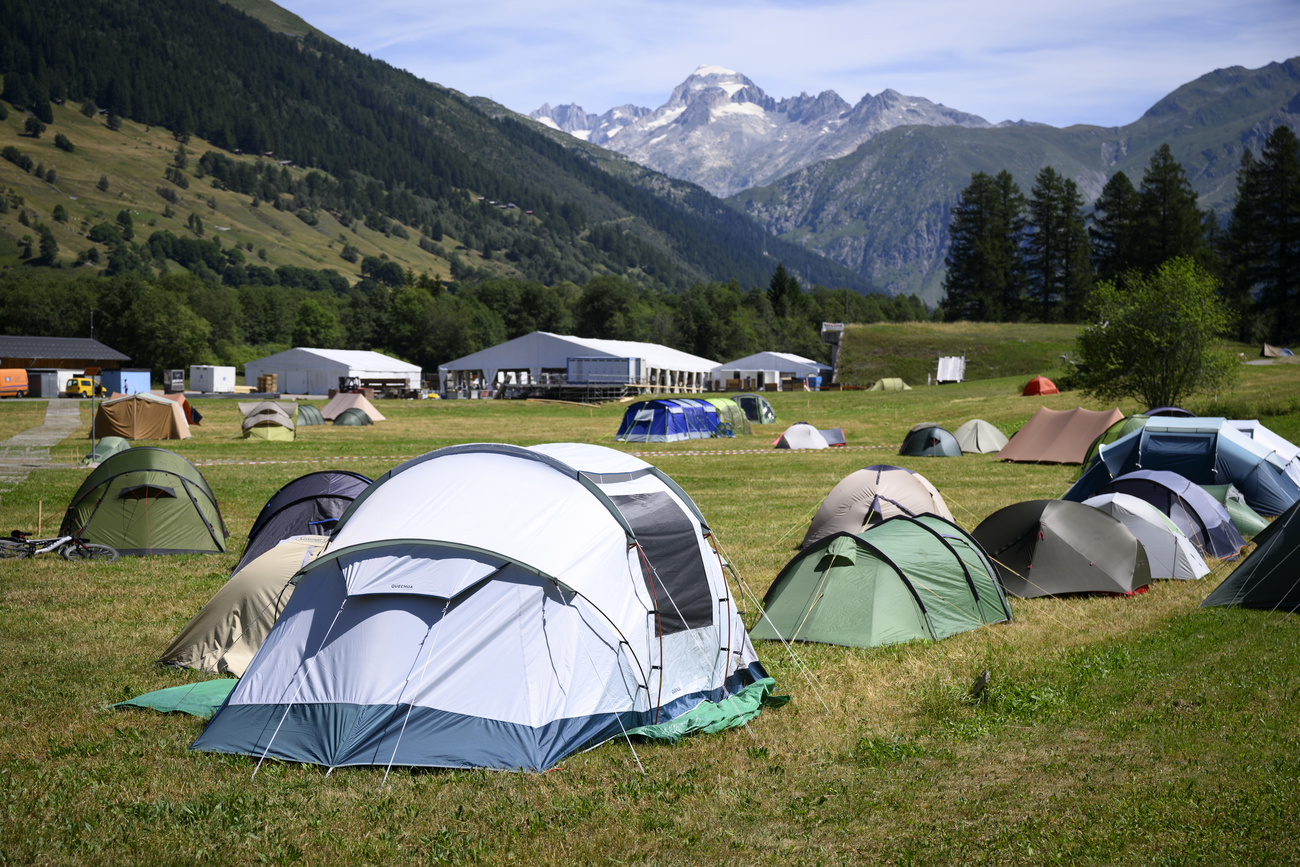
{"x":667,"y":420}
{"x":1201,"y":517}
{"x":1206,"y":451}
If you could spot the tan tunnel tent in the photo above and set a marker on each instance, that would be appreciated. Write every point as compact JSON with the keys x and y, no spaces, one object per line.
{"x":141,"y":416}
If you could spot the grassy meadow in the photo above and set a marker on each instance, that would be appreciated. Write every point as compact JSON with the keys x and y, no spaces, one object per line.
{"x":1115,"y":730}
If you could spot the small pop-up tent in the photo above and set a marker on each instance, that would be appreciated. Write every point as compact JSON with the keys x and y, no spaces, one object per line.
{"x":1054,"y":547}
{"x":352,"y":417}
{"x":309,"y":415}
{"x":310,"y":505}
{"x":1169,"y":553}
{"x":802,"y":435}
{"x":228,"y":630}
{"x":871,"y":495}
{"x":730,"y":417}
{"x":268,"y":420}
{"x":668,"y":420}
{"x":142,"y":416}
{"x":930,"y":441}
{"x":903,"y":579}
{"x":1269,"y":577}
{"x":1247,"y":521}
{"x":1121,"y":428}
{"x":890,"y":383}
{"x":342,"y":402}
{"x":1039,"y":385}
{"x":979,"y":437}
{"x":1206,"y":451}
{"x":104,"y":449}
{"x":1201,"y":518}
{"x":1058,"y":437}
{"x":493,"y":606}
{"x":757,"y":408}
{"x":147,"y":500}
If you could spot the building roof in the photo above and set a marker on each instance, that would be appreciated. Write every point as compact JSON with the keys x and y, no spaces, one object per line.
{"x":40,"y":348}
{"x":782,"y":361}
{"x":357,"y":359}
{"x":543,"y":349}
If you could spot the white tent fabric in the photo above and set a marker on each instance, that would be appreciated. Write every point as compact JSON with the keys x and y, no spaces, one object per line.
{"x":1170,"y":553}
{"x":493,"y":606}
{"x":802,"y":435}
{"x":979,"y":437}
{"x":1284,"y":448}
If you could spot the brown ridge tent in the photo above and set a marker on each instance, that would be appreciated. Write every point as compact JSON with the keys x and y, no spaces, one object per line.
{"x":141,"y":416}
{"x":340,"y":402}
{"x":1058,"y":437}
{"x":1039,"y":385}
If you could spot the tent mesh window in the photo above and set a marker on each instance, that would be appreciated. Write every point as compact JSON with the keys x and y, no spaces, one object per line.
{"x":677,"y":582}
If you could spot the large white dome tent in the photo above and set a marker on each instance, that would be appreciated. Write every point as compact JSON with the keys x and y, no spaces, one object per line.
{"x":494,"y":606}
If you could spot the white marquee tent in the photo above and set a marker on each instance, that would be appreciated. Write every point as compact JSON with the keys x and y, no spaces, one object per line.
{"x":316,"y":371}
{"x":786,"y":364}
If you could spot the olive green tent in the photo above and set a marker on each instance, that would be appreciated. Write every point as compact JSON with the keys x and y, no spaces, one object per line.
{"x":892,"y":383}
{"x":268,"y":420}
{"x":147,"y":500}
{"x":352,"y":416}
{"x":309,"y":415}
{"x":1247,"y":521}
{"x":104,"y":449}
{"x":730,"y":413}
{"x":899,"y":580}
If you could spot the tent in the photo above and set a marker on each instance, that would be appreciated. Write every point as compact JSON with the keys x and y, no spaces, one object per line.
{"x":309,"y":505}
{"x":731,"y":416}
{"x":1247,"y":521}
{"x":1207,"y":451}
{"x":979,"y":437}
{"x":341,"y":402}
{"x":487,"y":605}
{"x":871,"y":495}
{"x":668,"y":420}
{"x":1052,"y":547}
{"x":268,"y":420}
{"x":191,"y":415}
{"x":1169,"y":412}
{"x":1170,"y":553}
{"x":104,"y":449}
{"x":1270,"y":351}
{"x":1269,"y":577}
{"x":309,"y":415}
{"x":1201,"y":518}
{"x":902,"y":579}
{"x":1284,"y":448}
{"x":1121,"y":428}
{"x":891,"y":383}
{"x":230,"y":628}
{"x":930,"y":441}
{"x":147,"y":500}
{"x":802,"y":435}
{"x":1039,"y":385}
{"x":1058,"y":437}
{"x":757,"y":408}
{"x":143,"y":416}
{"x":352,"y":417}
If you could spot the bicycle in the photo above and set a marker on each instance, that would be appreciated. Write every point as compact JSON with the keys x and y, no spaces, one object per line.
{"x":19,"y":544}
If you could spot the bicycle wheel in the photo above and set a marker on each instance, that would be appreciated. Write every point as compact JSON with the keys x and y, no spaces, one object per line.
{"x":75,"y":550}
{"x":12,"y":550}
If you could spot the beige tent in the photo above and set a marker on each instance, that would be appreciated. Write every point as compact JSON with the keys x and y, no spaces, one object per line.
{"x":227,"y":631}
{"x":1058,"y":437}
{"x":979,"y":437}
{"x":268,"y":420}
{"x":1271,"y":351}
{"x":141,"y":416}
{"x":341,"y":402}
{"x":871,"y":495}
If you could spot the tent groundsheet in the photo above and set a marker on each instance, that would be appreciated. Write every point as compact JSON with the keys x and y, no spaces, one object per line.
{"x":196,"y":699}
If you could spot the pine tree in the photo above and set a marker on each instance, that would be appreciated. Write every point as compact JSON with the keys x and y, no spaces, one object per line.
{"x":985,"y":279}
{"x":1169,"y":222}
{"x":784,"y":292}
{"x":1114,"y":228}
{"x":1262,"y":247}
{"x":1056,"y":253}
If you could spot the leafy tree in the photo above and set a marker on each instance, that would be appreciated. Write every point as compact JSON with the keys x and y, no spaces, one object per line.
{"x":63,"y":143}
{"x":1169,"y":222}
{"x":1262,"y":244}
{"x":43,"y":110}
{"x":89,"y":109}
{"x":1154,"y":340}
{"x":384,"y":271}
{"x":33,"y":126}
{"x":114,"y":121}
{"x":1114,"y":227}
{"x":985,"y":280}
{"x":316,"y":326}
{"x":126,"y":224}
{"x":60,"y":213}
{"x":1056,"y":255}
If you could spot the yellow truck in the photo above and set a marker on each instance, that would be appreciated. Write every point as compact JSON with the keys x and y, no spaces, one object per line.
{"x":85,"y":386}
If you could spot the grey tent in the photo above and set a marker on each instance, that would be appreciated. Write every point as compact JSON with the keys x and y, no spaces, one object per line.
{"x":930,"y":441}
{"x":979,"y":437}
{"x":1269,"y":578}
{"x":1169,"y":552}
{"x":902,"y":579}
{"x":871,"y":495}
{"x":352,"y":416}
{"x":1053,"y":547}
{"x":757,"y":408}
{"x":308,"y":415}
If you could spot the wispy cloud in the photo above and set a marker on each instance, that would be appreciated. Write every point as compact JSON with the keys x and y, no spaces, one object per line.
{"x":1055,"y":62}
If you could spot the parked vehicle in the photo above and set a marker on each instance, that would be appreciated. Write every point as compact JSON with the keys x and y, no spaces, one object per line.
{"x":85,"y":386}
{"x":13,"y":382}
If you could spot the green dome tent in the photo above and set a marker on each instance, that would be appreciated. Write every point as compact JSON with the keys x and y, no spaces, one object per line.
{"x":147,"y":500}
{"x":1247,"y":521}
{"x":892,"y":383}
{"x":308,"y":415}
{"x":352,"y":416}
{"x":105,"y":449}
{"x":730,"y":413}
{"x":757,"y":408}
{"x":902,"y":579}
{"x":1267,"y":578}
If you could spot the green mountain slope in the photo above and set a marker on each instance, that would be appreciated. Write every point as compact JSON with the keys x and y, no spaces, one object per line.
{"x":391,"y":147}
{"x":884,"y":209}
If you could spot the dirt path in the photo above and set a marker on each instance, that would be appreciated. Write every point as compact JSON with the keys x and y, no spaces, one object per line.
{"x":30,"y":450}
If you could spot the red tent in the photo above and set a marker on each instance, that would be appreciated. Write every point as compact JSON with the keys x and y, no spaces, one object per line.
{"x":1040,"y":385}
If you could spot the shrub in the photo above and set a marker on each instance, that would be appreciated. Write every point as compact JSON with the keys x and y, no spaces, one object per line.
{"x":62,"y":143}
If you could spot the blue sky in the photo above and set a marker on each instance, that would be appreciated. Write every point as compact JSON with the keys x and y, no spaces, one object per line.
{"x":1104,"y":62}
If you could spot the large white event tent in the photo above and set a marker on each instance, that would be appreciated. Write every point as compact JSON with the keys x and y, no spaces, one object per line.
{"x":786,"y":365}
{"x":542,"y":358}
{"x":316,"y":371}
